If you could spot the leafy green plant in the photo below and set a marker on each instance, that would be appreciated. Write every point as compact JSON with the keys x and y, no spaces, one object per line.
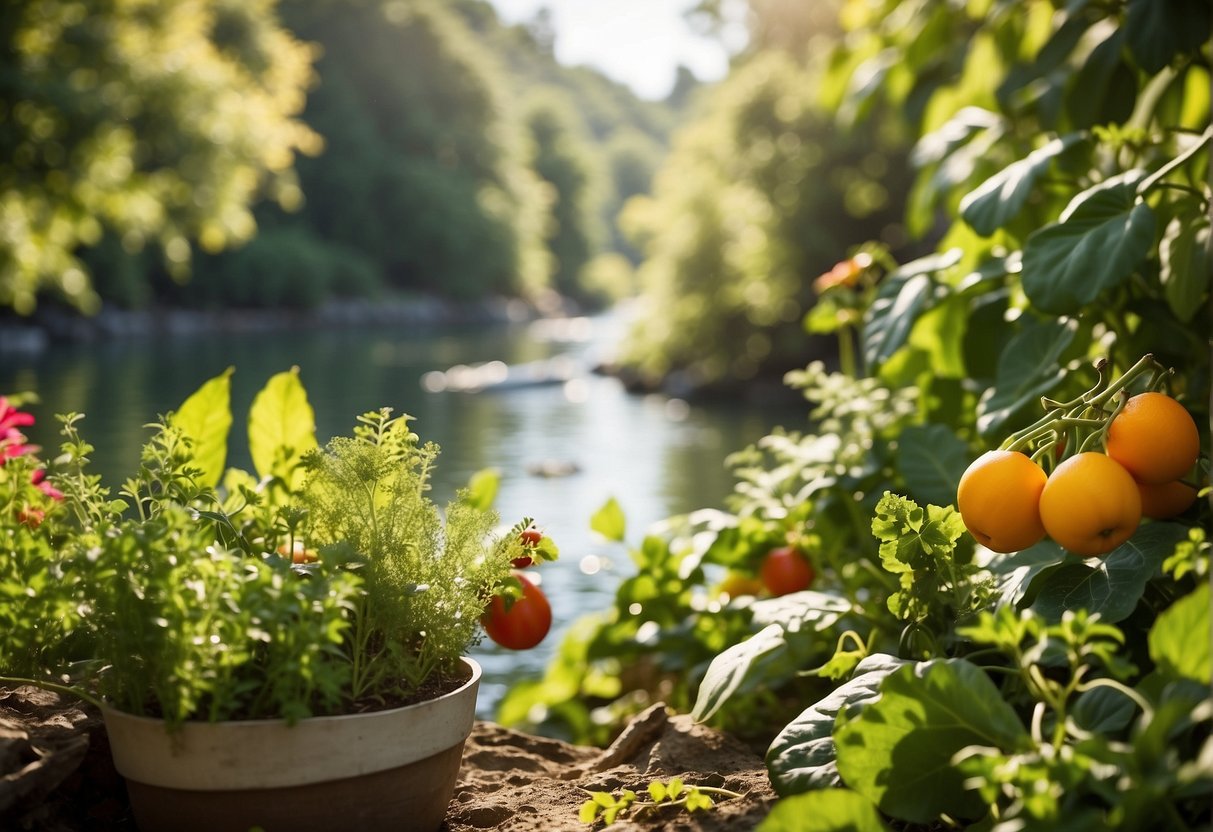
{"x":329,"y":583}
{"x":606,"y":808}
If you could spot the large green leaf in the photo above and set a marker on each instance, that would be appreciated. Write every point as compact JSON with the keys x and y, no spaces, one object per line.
{"x":728,"y":671}
{"x":206,"y":418}
{"x":1015,"y":572}
{"x":1179,"y":639}
{"x":1185,"y":265}
{"x":281,"y":429}
{"x":898,"y":752}
{"x":931,"y":459}
{"x":1105,"y":87}
{"x":1113,"y":587}
{"x":802,"y":757}
{"x":609,"y":521}
{"x":831,"y":810}
{"x":1100,"y":239}
{"x":1000,"y":198}
{"x":1029,"y":367}
{"x":902,"y":297}
{"x":1159,"y":29}
{"x":797,"y":611}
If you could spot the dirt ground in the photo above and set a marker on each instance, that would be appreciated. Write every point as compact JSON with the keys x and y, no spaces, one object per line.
{"x":56,"y":774}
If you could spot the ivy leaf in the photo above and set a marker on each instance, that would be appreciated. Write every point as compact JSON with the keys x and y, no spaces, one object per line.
{"x":829,"y":810}
{"x":1000,"y":198}
{"x":206,"y":418}
{"x":1099,"y":240}
{"x":802,"y":757}
{"x":1179,"y":639}
{"x":609,"y":521}
{"x":931,"y":459}
{"x":1185,"y":266}
{"x":1028,"y":368}
{"x":729,"y":669}
{"x":1113,"y":587}
{"x":281,"y":429}
{"x":898,"y":751}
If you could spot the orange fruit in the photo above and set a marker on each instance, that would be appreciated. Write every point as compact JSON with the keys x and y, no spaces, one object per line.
{"x":1165,"y":500}
{"x":1090,"y":505}
{"x":1154,"y":438}
{"x":999,"y":500}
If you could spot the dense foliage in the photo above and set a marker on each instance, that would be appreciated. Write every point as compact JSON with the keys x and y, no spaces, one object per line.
{"x":157,"y":123}
{"x":926,"y":680}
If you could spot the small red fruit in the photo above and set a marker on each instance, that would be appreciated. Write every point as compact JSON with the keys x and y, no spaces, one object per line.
{"x":524,"y":624}
{"x":785,"y":570}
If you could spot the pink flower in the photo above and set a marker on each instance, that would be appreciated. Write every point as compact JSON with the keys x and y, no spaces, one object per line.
{"x":11,"y":418}
{"x":13,"y":441}
{"x":38,"y":478}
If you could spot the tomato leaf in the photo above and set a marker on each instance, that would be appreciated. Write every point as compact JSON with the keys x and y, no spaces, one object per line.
{"x":802,"y":757}
{"x":1000,"y":198}
{"x":281,"y":429}
{"x":824,"y":811}
{"x":1028,"y":369}
{"x":898,"y":751}
{"x":1099,"y":240}
{"x":1185,"y":264}
{"x":729,"y":670}
{"x":931,"y":459}
{"x":609,"y":521}
{"x":206,"y":418}
{"x":1179,"y":639}
{"x":1113,"y":587}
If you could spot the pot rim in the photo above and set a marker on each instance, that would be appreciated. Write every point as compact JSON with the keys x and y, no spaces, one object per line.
{"x":270,"y":753}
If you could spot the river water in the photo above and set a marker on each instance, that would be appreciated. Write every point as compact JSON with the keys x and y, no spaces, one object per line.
{"x":655,"y":455}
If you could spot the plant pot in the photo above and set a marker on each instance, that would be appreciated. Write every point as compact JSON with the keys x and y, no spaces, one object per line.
{"x":392,"y":769}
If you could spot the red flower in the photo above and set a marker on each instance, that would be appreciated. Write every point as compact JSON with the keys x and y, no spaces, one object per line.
{"x":38,"y":478}
{"x":12,"y":441}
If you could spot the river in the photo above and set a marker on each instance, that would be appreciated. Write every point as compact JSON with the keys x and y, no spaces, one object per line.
{"x":655,"y":455}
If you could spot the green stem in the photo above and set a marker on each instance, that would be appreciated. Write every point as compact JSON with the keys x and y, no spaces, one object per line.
{"x":1146,"y":709}
{"x":846,"y":351}
{"x":1153,"y":179}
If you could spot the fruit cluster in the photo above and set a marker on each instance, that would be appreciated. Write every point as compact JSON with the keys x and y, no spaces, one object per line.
{"x":1130,"y":466}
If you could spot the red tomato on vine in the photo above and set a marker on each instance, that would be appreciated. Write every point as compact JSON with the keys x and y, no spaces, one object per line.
{"x":524,"y":624}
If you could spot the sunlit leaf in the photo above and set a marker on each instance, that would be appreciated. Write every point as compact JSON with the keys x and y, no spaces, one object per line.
{"x":1179,"y":639}
{"x":609,"y":521}
{"x":1000,"y":198}
{"x":206,"y":418}
{"x":931,"y":459}
{"x":281,"y":428}
{"x":1028,"y":369}
{"x":829,"y":810}
{"x":1185,"y":265}
{"x":1158,"y":29}
{"x":728,"y":671}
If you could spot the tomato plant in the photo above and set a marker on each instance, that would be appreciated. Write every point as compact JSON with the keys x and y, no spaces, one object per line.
{"x":518,"y":623}
{"x":786,"y":570}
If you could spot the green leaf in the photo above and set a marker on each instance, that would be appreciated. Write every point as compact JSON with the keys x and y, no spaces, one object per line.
{"x":482,"y":489}
{"x":1104,"y":89}
{"x":1185,"y":265}
{"x":802,"y":757}
{"x":1016,"y":571}
{"x":898,"y":752}
{"x":1114,"y":586}
{"x":1029,"y":367}
{"x":808,"y":609}
{"x":902,"y":297}
{"x":657,"y":791}
{"x":1000,"y":198}
{"x":206,"y":418}
{"x":931,"y":459}
{"x":1158,"y":30}
{"x":830,"y":810}
{"x":1099,"y":240}
{"x":1103,"y":710}
{"x":281,"y":429}
{"x":729,"y":669}
{"x":609,"y":521}
{"x":1179,"y":639}
{"x":589,"y":812}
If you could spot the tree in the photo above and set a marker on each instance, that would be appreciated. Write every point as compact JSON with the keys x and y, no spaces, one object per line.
{"x":159,"y":122}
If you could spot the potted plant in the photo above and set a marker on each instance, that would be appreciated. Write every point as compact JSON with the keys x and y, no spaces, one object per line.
{"x":285,"y":650}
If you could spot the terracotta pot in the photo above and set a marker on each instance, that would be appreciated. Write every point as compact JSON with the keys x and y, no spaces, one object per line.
{"x":385,"y":770}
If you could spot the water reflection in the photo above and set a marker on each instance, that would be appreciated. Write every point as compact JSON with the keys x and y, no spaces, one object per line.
{"x":657,"y":457}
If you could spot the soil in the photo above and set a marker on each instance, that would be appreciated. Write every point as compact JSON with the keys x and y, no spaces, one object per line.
{"x":56,"y":774}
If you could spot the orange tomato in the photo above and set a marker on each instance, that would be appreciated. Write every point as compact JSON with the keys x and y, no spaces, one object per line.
{"x":1090,"y":505}
{"x":999,"y":500}
{"x":736,"y":584}
{"x":1165,"y":500}
{"x":1154,"y":438}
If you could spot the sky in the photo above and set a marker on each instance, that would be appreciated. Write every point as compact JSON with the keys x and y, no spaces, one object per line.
{"x":637,"y":42}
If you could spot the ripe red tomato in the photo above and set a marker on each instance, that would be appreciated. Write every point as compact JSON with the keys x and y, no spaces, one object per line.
{"x":786,"y":570}
{"x":524,"y":624}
